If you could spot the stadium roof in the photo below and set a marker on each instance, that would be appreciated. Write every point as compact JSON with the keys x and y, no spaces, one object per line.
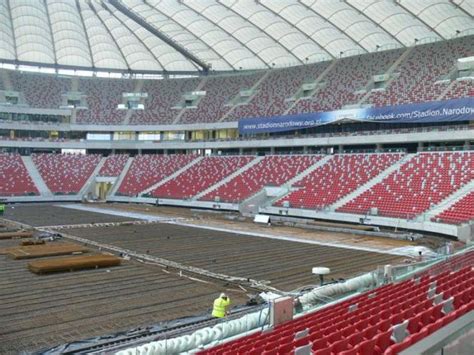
{"x":190,"y":35}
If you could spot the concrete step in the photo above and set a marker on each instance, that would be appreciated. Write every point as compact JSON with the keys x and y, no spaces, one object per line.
{"x":171,"y":177}
{"x":36,"y":177}
{"x":341,"y":202}
{"x":120,"y":178}
{"x":228,"y":178}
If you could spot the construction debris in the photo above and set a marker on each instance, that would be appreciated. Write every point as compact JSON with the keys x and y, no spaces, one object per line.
{"x":73,"y":263}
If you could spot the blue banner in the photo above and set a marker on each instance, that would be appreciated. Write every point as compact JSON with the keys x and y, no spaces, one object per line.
{"x":427,"y":112}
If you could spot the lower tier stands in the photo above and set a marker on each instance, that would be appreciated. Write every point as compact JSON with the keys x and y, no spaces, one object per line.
{"x":386,"y":320}
{"x":341,"y":175}
{"x":273,"y":170}
{"x":461,"y":212}
{"x":113,"y":165}
{"x":14,"y":178}
{"x":200,"y":176}
{"x":147,"y":170}
{"x":65,"y":174}
{"x":418,"y":185}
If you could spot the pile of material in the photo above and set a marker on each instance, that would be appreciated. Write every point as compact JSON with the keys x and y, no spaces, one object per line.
{"x":73,"y":263}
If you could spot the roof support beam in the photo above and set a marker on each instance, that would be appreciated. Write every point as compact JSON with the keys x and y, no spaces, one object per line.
{"x":85,"y":33}
{"x":375,"y":23}
{"x":277,"y":42}
{"x":344,"y":33}
{"x":296,"y":27}
{"x":399,"y":3}
{"x":136,"y":37}
{"x":229,"y":34}
{"x":159,"y":34}
{"x":13,"y":28}
{"x":184,"y":29}
{"x":124,"y":57}
{"x":50,"y":30}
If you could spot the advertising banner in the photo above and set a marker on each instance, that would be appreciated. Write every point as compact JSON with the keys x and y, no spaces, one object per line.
{"x":427,"y":112}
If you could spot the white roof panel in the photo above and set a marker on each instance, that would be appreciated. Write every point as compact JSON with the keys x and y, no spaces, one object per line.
{"x":187,"y":35}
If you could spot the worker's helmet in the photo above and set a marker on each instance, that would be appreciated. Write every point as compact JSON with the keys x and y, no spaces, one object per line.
{"x":223,"y":295}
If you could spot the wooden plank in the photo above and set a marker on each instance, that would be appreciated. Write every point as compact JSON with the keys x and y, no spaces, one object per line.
{"x":13,"y":235}
{"x":73,"y":263}
{"x":44,"y":250}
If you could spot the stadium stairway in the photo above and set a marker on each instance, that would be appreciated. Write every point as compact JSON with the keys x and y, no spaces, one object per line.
{"x":120,"y":178}
{"x":228,"y":178}
{"x":36,"y":177}
{"x":448,"y":202}
{"x":201,"y":84}
{"x":317,"y":81}
{"x":287,"y":187}
{"x":87,"y":185}
{"x":254,"y":87}
{"x":138,"y":88}
{"x":171,"y":177}
{"x":341,"y":202}
{"x":389,"y":72}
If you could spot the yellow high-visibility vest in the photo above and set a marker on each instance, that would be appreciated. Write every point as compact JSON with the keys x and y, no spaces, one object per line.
{"x":220,"y":306}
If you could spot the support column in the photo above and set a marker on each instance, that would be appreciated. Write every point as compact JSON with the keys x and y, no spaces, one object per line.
{"x":378,"y":147}
{"x":340,"y":148}
{"x":272,"y":150}
{"x":305,"y":149}
{"x":467,"y":145}
{"x":241,"y":151}
{"x":420,"y":146}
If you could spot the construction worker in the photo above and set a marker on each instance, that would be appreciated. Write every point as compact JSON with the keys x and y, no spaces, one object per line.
{"x":2,"y":209}
{"x":220,"y":306}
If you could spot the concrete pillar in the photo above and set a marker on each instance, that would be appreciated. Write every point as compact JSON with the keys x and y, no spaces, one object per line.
{"x":272,"y":150}
{"x":165,"y":151}
{"x":340,"y":148}
{"x":420,"y":146}
{"x":139,"y":151}
{"x":241,"y":151}
{"x":467,"y":145}
{"x":378,"y":147}
{"x":305,"y":149}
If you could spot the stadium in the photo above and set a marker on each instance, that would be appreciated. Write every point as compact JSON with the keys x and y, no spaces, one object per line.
{"x":236,"y":177}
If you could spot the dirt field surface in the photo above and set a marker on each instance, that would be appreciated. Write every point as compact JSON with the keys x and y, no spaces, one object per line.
{"x":48,"y":214}
{"x":39,"y":311}
{"x":286,"y":264}
{"x":47,"y":310}
{"x":213,"y":219}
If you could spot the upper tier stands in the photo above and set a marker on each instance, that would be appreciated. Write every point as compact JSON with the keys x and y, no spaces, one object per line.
{"x":348,"y":76}
{"x":162,"y":96}
{"x":461,"y":212}
{"x":417,"y":185}
{"x":273,"y":92}
{"x":65,"y":173}
{"x":273,"y":170}
{"x":416,"y":77}
{"x":147,"y":170}
{"x":200,"y":176}
{"x":338,"y":177}
{"x":14,"y":178}
{"x":40,"y":91}
{"x":103,"y":96}
{"x":418,"y":73}
{"x":113,"y":165}
{"x":370,"y":328}
{"x":460,"y":88}
{"x":219,"y":92}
